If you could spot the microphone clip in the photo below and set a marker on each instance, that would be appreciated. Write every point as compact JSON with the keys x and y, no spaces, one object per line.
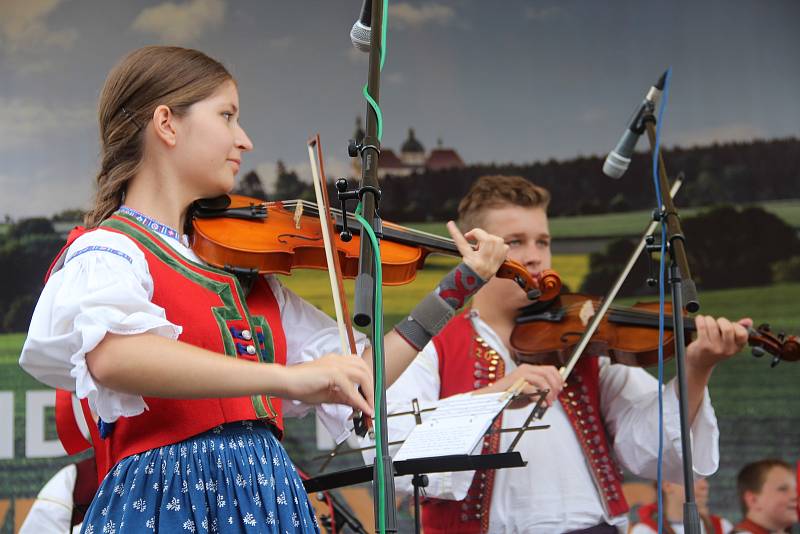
{"x":344,"y":193}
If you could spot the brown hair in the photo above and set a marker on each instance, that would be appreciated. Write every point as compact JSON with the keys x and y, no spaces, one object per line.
{"x":140,"y":82}
{"x":495,"y":191}
{"x":752,"y":477}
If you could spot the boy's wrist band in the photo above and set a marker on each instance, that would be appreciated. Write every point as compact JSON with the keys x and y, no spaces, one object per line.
{"x":439,"y":306}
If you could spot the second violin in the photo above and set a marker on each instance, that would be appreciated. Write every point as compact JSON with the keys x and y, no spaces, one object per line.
{"x":548,"y":332}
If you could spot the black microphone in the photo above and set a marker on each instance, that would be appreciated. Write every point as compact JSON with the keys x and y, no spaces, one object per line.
{"x":361,"y":32}
{"x":618,"y":159}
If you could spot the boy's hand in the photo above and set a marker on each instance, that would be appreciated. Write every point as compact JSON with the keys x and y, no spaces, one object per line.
{"x":488,"y":254}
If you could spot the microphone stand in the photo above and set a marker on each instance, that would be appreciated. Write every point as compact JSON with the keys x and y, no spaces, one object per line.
{"x":684,"y":296}
{"x":369,"y":194}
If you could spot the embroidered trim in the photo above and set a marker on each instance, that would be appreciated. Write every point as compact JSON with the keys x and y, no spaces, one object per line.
{"x":234,"y":307}
{"x":151,"y":224}
{"x":100,"y":248}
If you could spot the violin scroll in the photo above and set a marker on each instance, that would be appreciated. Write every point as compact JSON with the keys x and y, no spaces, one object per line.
{"x":780,"y":346}
{"x":544,"y":286}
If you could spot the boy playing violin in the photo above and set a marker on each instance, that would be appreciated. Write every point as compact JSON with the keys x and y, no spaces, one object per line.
{"x":603,"y":418}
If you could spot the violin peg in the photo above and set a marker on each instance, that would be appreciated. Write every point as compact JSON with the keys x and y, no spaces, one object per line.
{"x":775,"y":361}
{"x":758,"y":352}
{"x":534,"y":294}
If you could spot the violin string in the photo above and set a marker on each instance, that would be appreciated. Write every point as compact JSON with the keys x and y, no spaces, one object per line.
{"x":622,"y":313}
{"x":307,"y":206}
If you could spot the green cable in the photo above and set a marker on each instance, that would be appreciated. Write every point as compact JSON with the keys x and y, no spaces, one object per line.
{"x":378,"y":326}
{"x":374,"y":105}
{"x":378,"y":331}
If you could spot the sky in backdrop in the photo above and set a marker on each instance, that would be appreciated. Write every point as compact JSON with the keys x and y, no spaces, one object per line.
{"x":511,"y":81}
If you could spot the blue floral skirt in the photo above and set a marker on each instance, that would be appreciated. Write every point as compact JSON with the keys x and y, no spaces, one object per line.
{"x":234,"y":478}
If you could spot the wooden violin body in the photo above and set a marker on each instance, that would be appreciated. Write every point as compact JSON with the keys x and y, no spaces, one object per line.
{"x":627,"y":335}
{"x":249,"y":235}
{"x":548,"y":333}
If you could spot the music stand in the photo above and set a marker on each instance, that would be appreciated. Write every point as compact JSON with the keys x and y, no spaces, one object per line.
{"x":420,"y":467}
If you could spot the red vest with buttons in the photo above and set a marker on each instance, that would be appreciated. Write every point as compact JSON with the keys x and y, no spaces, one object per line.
{"x":215,"y":314}
{"x":467,"y":363}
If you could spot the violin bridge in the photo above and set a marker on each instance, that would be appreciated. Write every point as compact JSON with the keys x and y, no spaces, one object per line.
{"x":298,"y":213}
{"x":587,"y":312}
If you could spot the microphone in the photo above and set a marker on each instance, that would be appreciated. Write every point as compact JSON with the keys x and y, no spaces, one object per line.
{"x":618,"y":159}
{"x":361,"y":32}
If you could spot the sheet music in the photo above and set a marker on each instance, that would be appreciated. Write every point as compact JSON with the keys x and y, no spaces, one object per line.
{"x":456,"y":426}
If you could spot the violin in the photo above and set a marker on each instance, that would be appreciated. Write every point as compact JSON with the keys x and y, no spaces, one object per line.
{"x":547,"y":333}
{"x":247,"y":236}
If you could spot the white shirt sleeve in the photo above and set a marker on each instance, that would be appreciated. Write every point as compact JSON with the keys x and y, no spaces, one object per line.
{"x":629,"y":401}
{"x":641,"y":528}
{"x":52,"y":509}
{"x":419,"y":381}
{"x":310,"y":333}
{"x":104,"y":286}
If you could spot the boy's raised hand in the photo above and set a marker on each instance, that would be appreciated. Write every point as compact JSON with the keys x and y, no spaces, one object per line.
{"x":486,"y":256}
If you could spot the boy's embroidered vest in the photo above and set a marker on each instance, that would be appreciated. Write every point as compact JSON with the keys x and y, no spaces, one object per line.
{"x":648,"y":515}
{"x":212,"y":309}
{"x":748,"y":526}
{"x":467,"y":363}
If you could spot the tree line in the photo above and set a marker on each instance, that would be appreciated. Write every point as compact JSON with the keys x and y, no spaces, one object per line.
{"x":731,"y":173}
{"x":720,"y":240}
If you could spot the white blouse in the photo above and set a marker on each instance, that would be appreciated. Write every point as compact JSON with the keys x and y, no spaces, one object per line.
{"x":102,"y":284}
{"x":555,"y":492}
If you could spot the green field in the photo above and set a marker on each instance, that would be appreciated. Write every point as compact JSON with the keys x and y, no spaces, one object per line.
{"x":628,"y":223}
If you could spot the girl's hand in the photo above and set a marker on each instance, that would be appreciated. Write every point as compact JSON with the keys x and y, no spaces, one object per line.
{"x":331,"y":379}
{"x":486,"y":257}
{"x":537,"y":378}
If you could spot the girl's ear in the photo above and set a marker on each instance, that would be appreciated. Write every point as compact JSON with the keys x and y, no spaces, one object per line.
{"x":164,"y":125}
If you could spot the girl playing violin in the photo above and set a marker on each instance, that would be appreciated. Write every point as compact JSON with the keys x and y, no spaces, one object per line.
{"x":603,"y":418}
{"x":184,"y":372}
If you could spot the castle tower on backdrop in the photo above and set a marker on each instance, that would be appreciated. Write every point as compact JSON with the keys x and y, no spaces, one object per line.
{"x":412,"y":152}
{"x":413,"y":156}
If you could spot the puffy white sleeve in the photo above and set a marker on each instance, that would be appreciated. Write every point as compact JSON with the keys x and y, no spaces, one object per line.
{"x":629,"y":401}
{"x":103,"y":286}
{"x":52,"y":509}
{"x":310,"y":334}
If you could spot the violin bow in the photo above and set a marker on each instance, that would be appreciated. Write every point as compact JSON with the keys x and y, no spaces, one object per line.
{"x":347,"y":339}
{"x":540,"y":407}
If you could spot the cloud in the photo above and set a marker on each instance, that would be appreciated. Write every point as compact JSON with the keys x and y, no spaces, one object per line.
{"x":269,"y":178}
{"x":543,"y":13}
{"x":25,"y":34}
{"x":406,"y":15}
{"x":594,"y":116}
{"x":280,"y":43}
{"x":180,"y":23}
{"x":356,"y":56}
{"x":25,"y":121}
{"x":44,"y":192}
{"x":718,"y":134}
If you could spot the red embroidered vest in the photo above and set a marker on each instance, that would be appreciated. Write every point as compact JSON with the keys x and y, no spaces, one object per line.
{"x":212,"y":309}
{"x":748,"y":526}
{"x":467,"y":363}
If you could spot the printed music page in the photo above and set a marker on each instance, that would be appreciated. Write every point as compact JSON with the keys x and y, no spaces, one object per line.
{"x":456,"y":426}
